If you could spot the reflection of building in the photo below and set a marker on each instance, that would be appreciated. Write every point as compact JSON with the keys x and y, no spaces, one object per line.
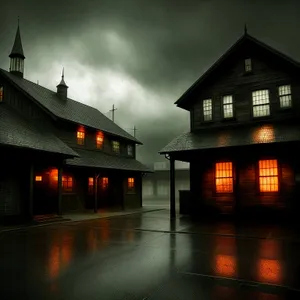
{"x":157,"y":185}
{"x":244,"y":141}
{"x":59,"y":154}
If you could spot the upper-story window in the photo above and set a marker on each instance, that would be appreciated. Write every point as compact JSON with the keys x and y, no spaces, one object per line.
{"x":285,"y":96}
{"x":116,"y":146}
{"x":130,"y":150}
{"x":1,"y":93}
{"x":67,"y":183}
{"x":248,"y":65}
{"x":261,"y":103}
{"x":99,"y":140}
{"x":80,"y":136}
{"x":207,"y":109}
{"x":228,"y":107}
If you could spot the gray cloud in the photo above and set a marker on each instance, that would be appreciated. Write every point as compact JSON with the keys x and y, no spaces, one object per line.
{"x":162,"y":46}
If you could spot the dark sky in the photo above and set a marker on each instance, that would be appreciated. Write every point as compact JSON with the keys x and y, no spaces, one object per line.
{"x":139,"y":55}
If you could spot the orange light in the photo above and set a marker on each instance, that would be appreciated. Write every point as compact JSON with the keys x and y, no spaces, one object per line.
{"x":104,"y":183}
{"x":38,"y":178}
{"x":99,"y":139}
{"x":224,"y":177}
{"x":54,"y":174}
{"x":264,"y":134}
{"x":226,"y":265}
{"x":1,"y":93}
{"x":67,"y":183}
{"x":268,"y":175}
{"x":269,"y":270}
{"x":80,"y":136}
{"x":91,"y":181}
{"x":130,"y":183}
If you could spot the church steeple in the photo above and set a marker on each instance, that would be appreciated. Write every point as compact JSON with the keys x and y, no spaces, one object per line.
{"x":17,"y":56}
{"x":62,"y":88}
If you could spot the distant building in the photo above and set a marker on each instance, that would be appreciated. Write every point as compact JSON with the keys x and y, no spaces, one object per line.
{"x":57,"y":154}
{"x":157,"y":185}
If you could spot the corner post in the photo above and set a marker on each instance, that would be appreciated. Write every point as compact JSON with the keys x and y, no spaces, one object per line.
{"x":31,"y":180}
{"x":96,"y":193}
{"x":172,"y":188}
{"x":59,"y":189}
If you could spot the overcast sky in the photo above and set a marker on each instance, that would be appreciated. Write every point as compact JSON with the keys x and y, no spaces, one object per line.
{"x":139,"y":55}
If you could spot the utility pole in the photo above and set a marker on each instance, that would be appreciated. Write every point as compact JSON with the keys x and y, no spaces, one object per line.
{"x":134,"y":131}
{"x":113,"y":112}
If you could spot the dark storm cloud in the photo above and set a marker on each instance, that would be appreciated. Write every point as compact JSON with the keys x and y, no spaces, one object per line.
{"x":163,"y":45}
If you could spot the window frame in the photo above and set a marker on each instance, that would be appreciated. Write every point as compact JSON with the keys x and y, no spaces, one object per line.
{"x":245,"y":65}
{"x":1,"y":93}
{"x":99,"y":134}
{"x":203,"y":110}
{"x":284,"y":95}
{"x":257,"y":176}
{"x":215,"y":178}
{"x":67,"y":189}
{"x":131,"y":190}
{"x":80,"y":131}
{"x":226,"y":104}
{"x":113,"y":148}
{"x":128,"y":152}
{"x":91,"y":187}
{"x":102,"y":186}
{"x":257,"y":105}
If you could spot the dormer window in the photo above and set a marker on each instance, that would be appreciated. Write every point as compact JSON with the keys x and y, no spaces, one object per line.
{"x":116,"y":146}
{"x":227,"y":107}
{"x":80,"y":136}
{"x":248,"y":65}
{"x":1,"y":93}
{"x":261,"y":103}
{"x":207,"y":110}
{"x":99,"y":140}
{"x":130,"y":150}
{"x":285,"y":96}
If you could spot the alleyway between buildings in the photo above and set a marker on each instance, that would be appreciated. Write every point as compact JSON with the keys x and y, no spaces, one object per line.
{"x":147,"y":256}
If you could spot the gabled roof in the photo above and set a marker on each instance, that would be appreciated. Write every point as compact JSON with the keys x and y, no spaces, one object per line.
{"x":68,"y":109}
{"x":17,"y":49}
{"x":99,"y":159}
{"x":183,"y":100}
{"x":16,"y":131}
{"x":232,"y":137}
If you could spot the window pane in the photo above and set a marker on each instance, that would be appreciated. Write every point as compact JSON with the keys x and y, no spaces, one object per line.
{"x":284,"y":90}
{"x":228,"y":110}
{"x":227,"y":99}
{"x":207,"y":110}
{"x":261,"y":110}
{"x":286,"y":101}
{"x":260,"y":97}
{"x":224,"y":180}
{"x":248,"y":65}
{"x":268,"y":172}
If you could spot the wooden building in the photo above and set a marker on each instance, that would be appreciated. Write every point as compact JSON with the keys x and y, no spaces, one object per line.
{"x":243,"y":142}
{"x":58,"y":154}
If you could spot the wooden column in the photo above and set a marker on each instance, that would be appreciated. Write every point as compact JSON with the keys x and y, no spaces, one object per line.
{"x":59,"y":189}
{"x":96,"y":193}
{"x":172,"y":188}
{"x":31,"y":186}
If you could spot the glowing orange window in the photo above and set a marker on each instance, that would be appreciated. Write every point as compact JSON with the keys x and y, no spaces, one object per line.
{"x":99,"y":140}
{"x":67,"y":183}
{"x":80,"y":137}
{"x":104,"y":183}
{"x":38,"y":178}
{"x":224,"y":177}
{"x":90,"y":185}
{"x":268,"y":175}
{"x":1,"y":93}
{"x":131,"y":183}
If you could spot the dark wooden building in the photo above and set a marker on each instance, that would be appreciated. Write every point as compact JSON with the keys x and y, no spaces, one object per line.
{"x":58,"y":154}
{"x":243,"y":143}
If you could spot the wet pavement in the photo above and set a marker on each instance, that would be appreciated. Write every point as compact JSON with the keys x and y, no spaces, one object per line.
{"x":146,"y":256}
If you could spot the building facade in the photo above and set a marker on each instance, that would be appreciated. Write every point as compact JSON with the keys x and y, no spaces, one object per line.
{"x":60,"y":155}
{"x":244,"y":136}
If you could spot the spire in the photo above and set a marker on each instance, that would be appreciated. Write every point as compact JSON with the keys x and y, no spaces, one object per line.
{"x":62,"y":88}
{"x":17,"y":55}
{"x":245,"y":29}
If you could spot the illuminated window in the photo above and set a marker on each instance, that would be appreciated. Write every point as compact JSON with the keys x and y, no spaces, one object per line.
{"x":227,"y":107}
{"x":207,"y":110}
{"x":130,"y":183}
{"x":261,"y":103}
{"x":1,"y":93}
{"x":224,"y":177}
{"x":104,"y":183}
{"x":38,"y":178}
{"x":130,"y":150}
{"x":99,"y":140}
{"x":67,"y":183}
{"x":80,"y":137}
{"x":285,"y":96}
{"x":54,"y":174}
{"x":268,"y":175}
{"x":116,"y":146}
{"x":90,"y":185}
{"x":248,"y":65}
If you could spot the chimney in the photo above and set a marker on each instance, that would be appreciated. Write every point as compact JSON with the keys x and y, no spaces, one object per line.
{"x":62,"y":88}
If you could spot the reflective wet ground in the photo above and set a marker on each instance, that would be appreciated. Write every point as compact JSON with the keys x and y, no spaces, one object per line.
{"x":146,"y":256}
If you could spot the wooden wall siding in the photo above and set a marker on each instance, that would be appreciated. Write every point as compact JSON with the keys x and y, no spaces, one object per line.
{"x":266,"y":75}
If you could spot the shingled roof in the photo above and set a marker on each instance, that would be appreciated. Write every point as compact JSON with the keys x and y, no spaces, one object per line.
{"x":68,"y":109}
{"x":16,"y":131}
{"x":98,"y":159}
{"x":230,"y":137}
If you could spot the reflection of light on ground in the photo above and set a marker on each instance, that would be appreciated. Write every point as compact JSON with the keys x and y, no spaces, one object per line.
{"x":104,"y":230}
{"x":91,"y":240}
{"x":225,"y":265}
{"x":54,"y":262}
{"x":269,"y":271}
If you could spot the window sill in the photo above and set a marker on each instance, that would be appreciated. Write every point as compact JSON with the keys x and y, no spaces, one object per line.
{"x":232,"y":119}
{"x":262,"y":117}
{"x":207,"y":122}
{"x":283,"y":109}
{"x":247,"y":73}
